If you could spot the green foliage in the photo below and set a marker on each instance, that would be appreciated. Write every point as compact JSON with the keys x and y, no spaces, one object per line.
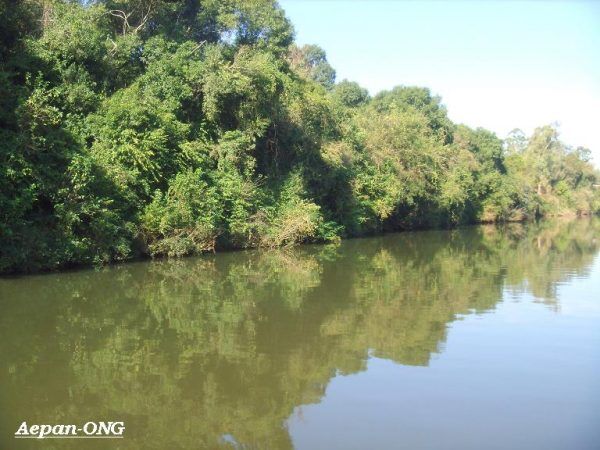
{"x":350,"y":94}
{"x":311,"y":62}
{"x":403,"y":98}
{"x":401,"y":166}
{"x":185,"y":219}
{"x":554,"y":179}
{"x":137,"y":127}
{"x":291,"y":219}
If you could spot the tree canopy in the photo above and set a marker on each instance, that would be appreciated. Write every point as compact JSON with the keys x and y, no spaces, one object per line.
{"x":156,"y":127}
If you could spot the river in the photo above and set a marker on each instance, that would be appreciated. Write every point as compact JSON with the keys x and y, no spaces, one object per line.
{"x":483,"y":337}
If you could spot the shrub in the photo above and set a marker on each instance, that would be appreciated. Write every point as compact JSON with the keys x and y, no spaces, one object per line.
{"x":186,"y":219}
{"x":292,"y":219}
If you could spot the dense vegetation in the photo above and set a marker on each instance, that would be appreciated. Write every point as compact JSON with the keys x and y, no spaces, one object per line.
{"x":170,"y":127}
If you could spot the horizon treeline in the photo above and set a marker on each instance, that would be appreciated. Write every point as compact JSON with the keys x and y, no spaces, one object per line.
{"x":157,"y":127}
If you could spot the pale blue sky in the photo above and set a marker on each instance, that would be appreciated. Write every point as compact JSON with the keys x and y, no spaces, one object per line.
{"x":496,"y":64}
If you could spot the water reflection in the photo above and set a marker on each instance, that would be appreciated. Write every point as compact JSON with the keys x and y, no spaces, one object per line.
{"x":216,"y":352}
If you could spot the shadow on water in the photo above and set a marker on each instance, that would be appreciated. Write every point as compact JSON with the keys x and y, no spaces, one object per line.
{"x":217,"y":351}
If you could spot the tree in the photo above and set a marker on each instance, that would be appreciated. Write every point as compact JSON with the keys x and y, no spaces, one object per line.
{"x":146,"y":127}
{"x":311,"y":61}
{"x":350,"y":94}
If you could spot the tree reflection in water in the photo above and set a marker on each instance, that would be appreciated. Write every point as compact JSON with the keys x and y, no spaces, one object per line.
{"x":217,"y":351}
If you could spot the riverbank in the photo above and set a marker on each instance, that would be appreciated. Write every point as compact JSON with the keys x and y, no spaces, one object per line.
{"x":141,"y":258}
{"x":176,"y":139}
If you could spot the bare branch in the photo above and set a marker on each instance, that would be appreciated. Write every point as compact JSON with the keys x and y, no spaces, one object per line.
{"x":113,"y":50}
{"x":144,"y":19}
{"x":123,"y":16}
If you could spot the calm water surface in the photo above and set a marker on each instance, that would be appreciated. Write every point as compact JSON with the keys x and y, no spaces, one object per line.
{"x":478,"y":338}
